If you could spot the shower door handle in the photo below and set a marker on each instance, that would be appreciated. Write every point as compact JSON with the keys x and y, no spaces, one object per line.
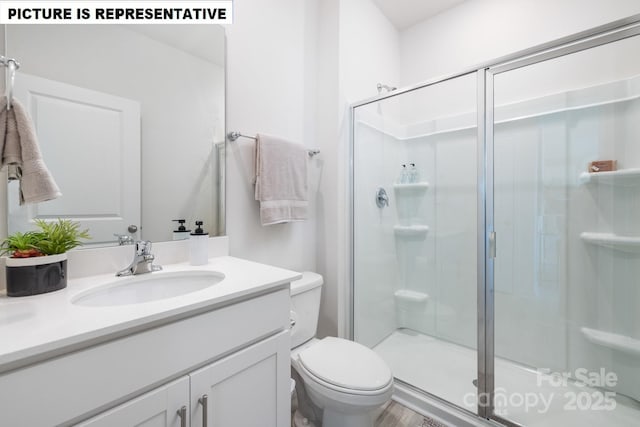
{"x":492,"y":244}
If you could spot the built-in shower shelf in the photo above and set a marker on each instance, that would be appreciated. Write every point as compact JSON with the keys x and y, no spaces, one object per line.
{"x":411,"y":296}
{"x":412,"y":232}
{"x":411,"y":189}
{"x":612,"y":241}
{"x":623,"y":177}
{"x":618,"y":342}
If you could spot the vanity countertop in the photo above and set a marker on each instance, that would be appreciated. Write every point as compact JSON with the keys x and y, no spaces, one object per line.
{"x":38,"y":327}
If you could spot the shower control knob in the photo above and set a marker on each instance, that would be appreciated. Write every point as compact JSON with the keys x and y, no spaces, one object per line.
{"x":382,"y":199}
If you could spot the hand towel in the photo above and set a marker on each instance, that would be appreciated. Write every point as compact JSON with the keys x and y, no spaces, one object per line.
{"x":19,"y":149}
{"x":281,"y":180}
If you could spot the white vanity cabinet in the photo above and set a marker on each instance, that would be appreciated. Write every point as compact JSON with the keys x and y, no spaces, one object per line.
{"x":236,"y":353}
{"x":247,"y":388}
{"x":162,"y":407}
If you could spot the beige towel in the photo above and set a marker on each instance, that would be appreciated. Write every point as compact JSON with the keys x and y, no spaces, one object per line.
{"x":281,"y":180}
{"x":20,"y":151}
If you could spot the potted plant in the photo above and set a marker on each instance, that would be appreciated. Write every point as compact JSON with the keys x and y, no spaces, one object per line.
{"x":37,"y":260}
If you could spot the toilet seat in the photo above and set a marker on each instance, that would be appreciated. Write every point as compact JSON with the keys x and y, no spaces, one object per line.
{"x":345,"y":366}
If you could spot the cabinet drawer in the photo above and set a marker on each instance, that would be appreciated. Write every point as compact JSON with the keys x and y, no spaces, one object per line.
{"x":72,"y":387}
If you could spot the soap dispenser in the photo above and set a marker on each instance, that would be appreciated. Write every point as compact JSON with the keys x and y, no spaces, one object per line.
{"x":181,"y":233}
{"x":198,"y":246}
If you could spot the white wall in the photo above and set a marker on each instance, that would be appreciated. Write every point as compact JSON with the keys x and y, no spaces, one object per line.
{"x":331,"y":255}
{"x":477,"y":31}
{"x":293,"y":69}
{"x":270,"y":81}
{"x":368,"y":54}
{"x":369,"y":50}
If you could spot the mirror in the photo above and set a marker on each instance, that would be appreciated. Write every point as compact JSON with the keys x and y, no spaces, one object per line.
{"x":131,"y":123}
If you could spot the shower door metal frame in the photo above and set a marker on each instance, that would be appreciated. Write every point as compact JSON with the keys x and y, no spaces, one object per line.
{"x":351,"y":204}
{"x":599,"y":37}
{"x":486,"y":243}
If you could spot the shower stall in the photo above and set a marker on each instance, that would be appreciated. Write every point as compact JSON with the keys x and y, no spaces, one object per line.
{"x":496,"y":234}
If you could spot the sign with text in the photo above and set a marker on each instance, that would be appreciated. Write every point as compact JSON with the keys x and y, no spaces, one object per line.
{"x":116,"y":12}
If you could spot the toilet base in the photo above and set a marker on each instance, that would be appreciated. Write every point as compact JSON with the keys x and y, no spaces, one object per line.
{"x":336,"y":419}
{"x":300,"y":420}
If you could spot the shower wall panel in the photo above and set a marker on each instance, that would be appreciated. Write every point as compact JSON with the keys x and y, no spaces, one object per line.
{"x":568,"y":237}
{"x":375,"y":271}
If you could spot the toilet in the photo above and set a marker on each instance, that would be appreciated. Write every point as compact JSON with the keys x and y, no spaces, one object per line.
{"x":344,"y":379}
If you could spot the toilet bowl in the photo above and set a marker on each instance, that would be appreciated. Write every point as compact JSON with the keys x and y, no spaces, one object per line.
{"x":344,"y":379}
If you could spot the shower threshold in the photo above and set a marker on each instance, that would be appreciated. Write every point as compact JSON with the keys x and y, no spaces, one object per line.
{"x":523,"y":395}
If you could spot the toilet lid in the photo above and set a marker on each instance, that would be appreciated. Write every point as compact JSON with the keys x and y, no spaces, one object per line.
{"x":346,"y":364}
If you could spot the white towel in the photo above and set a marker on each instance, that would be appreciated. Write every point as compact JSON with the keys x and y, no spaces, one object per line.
{"x":281,"y":180}
{"x":20,"y":151}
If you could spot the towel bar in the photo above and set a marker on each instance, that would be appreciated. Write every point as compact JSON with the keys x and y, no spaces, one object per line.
{"x":235,"y":135}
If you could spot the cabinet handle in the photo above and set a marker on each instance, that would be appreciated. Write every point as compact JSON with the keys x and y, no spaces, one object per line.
{"x":203,"y":401}
{"x":182,"y":413}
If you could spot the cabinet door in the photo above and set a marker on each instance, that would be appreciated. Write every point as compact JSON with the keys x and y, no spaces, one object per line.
{"x":249,"y":388}
{"x":158,"y":408}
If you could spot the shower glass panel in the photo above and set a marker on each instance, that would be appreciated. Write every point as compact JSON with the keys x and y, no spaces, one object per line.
{"x":567,"y":268}
{"x":415,"y":236}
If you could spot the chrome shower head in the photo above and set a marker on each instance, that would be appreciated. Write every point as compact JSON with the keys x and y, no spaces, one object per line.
{"x":386,"y":87}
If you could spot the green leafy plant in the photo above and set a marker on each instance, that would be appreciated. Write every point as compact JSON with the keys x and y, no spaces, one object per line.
{"x":59,"y":237}
{"x":55,"y":237}
{"x":21,"y":245}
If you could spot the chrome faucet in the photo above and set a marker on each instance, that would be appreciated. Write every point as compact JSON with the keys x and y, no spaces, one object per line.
{"x":124,"y":239}
{"x":142,"y":260}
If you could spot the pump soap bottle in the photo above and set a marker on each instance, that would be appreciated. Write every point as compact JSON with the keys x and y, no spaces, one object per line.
{"x":402,"y":178}
{"x":181,"y":233}
{"x":198,"y":246}
{"x":414,"y":175}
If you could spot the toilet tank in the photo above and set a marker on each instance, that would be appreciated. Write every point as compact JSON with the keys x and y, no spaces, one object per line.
{"x":305,"y":307}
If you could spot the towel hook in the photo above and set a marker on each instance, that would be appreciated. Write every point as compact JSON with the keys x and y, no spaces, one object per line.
{"x":11,"y":65}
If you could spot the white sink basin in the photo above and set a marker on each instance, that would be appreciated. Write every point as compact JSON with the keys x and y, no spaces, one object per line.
{"x":148,"y":287}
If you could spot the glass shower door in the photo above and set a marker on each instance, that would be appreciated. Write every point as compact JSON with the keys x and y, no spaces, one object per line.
{"x":567,"y":221}
{"x":415,"y":236}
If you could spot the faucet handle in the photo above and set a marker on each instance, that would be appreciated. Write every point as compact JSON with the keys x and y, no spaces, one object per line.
{"x":124,"y":239}
{"x":143,"y":247}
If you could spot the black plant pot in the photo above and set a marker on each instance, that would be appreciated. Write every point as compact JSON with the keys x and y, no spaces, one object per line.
{"x":37,"y":275}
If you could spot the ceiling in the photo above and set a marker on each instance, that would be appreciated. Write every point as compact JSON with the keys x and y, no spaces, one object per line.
{"x":405,"y":13}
